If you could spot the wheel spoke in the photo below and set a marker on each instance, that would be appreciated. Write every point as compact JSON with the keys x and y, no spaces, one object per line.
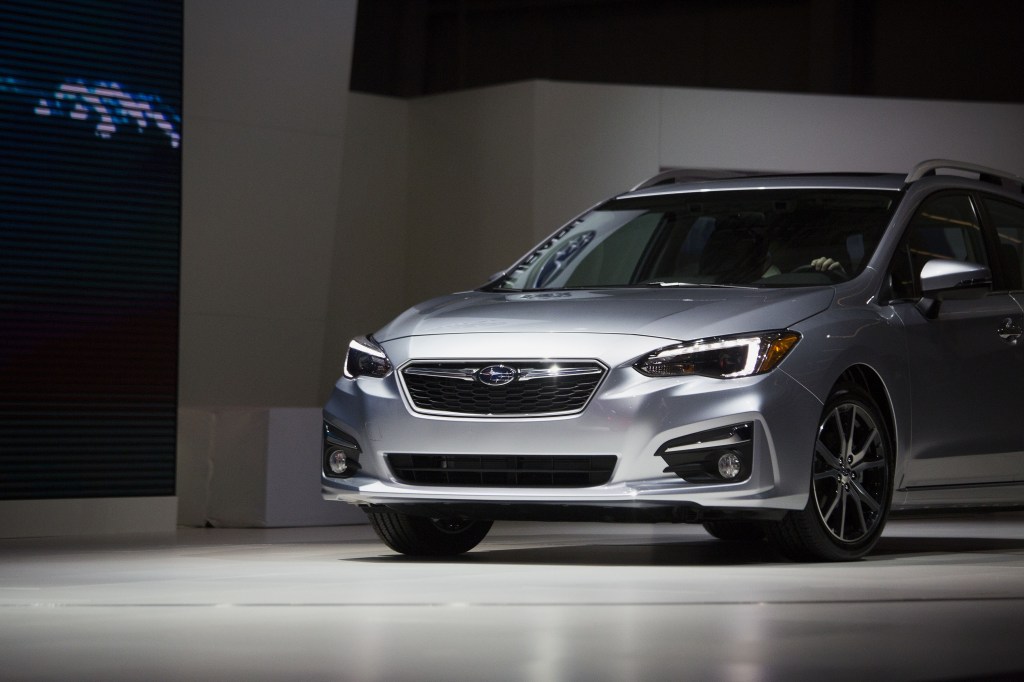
{"x":839,"y":429}
{"x":848,"y":445}
{"x":868,"y":465}
{"x":826,"y":453}
{"x":862,"y":453}
{"x":864,"y":496}
{"x":842,"y":519}
{"x":827,"y":514}
{"x":858,"y":502}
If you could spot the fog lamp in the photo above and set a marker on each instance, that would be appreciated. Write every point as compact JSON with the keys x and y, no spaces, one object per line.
{"x":339,"y":463}
{"x":730,"y":465}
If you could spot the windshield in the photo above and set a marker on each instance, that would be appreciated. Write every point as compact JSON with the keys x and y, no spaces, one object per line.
{"x":743,"y":238}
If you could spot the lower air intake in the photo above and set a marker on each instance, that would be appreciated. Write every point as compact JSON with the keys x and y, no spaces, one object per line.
{"x":503,"y":471}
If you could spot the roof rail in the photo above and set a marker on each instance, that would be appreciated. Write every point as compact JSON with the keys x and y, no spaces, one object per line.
{"x":985,"y":174}
{"x":674,"y":176}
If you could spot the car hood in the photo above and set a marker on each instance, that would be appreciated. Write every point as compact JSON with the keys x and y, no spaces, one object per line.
{"x":676,"y":313}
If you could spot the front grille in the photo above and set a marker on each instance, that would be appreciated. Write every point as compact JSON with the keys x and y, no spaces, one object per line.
{"x":503,"y":471}
{"x":539,"y":388}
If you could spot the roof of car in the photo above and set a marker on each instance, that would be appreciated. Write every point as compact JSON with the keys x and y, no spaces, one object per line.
{"x":684,"y":181}
{"x":875,"y":181}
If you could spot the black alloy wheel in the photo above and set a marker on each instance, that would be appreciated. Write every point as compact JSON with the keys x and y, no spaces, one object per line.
{"x":850,"y":487}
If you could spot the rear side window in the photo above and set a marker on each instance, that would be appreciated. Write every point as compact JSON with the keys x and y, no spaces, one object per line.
{"x":1008,"y":220}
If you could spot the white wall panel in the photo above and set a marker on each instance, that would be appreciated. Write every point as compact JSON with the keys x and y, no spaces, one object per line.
{"x":259,"y":217}
{"x":368,"y":263}
{"x":774,"y":131}
{"x":470,"y":186}
{"x":266,"y":87}
{"x":591,"y":141}
{"x":265,"y":90}
{"x":269,"y":63}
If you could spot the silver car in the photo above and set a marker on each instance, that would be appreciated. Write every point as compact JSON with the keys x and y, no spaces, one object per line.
{"x":784,"y":357}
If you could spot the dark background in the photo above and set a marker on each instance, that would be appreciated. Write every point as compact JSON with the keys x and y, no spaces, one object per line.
{"x":942,"y":49}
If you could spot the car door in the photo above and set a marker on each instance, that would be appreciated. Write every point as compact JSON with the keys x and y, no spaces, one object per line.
{"x":1006,"y":219}
{"x":966,"y":372}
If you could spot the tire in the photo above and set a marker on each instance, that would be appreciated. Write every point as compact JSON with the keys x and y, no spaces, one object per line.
{"x":850,"y":486}
{"x":422,"y":536}
{"x":735,"y":531}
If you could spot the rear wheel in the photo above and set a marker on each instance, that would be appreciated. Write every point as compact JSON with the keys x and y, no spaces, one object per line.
{"x":422,"y":536}
{"x":850,"y":487}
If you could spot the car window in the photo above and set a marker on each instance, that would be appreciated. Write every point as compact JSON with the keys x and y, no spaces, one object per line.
{"x":1008,"y":220}
{"x":614,"y":259}
{"x":944,"y":227}
{"x":742,"y":238}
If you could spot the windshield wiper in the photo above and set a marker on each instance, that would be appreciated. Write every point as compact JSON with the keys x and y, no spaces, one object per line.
{"x":699,"y":285}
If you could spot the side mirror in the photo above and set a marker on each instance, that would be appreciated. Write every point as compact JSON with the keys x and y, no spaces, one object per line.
{"x":943,"y":280}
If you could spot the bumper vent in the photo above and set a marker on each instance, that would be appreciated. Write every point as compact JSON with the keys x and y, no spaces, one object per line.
{"x":503,"y":471}
{"x":715,"y":456}
{"x":502,"y":389}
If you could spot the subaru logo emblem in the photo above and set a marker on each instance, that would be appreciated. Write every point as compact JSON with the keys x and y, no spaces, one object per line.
{"x":496,"y":375}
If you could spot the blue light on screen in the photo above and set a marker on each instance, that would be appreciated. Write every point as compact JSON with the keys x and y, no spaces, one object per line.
{"x":112,"y":108}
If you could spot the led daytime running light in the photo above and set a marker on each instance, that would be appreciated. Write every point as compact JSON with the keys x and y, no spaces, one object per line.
{"x":699,"y":347}
{"x":752,"y":355}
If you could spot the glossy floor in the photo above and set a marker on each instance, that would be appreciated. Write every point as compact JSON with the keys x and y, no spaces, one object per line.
{"x":941,"y":599}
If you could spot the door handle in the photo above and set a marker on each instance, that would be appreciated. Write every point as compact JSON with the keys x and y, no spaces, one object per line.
{"x":1010,"y":331}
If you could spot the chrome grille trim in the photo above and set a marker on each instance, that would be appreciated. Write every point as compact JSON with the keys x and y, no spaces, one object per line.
{"x":467,"y":374}
{"x":557,"y":372}
{"x":540,"y":387}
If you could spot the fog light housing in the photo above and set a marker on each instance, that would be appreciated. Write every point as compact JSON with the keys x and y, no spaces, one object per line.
{"x":340,"y":453}
{"x":722,"y":455}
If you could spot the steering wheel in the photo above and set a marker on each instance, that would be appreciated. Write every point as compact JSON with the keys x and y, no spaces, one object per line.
{"x":835,"y":275}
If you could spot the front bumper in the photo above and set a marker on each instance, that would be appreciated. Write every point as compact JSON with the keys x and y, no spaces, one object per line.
{"x":631,"y":417}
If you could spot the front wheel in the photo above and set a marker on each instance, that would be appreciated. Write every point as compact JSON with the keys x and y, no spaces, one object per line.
{"x":850,"y":486}
{"x":422,"y":536}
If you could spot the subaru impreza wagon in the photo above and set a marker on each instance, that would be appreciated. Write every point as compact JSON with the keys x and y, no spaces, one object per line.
{"x":779,"y":357}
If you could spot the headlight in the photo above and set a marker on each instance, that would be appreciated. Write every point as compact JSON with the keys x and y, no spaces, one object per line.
{"x":365,"y":357}
{"x":721,"y":358}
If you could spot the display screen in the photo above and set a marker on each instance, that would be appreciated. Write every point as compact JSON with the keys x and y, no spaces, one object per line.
{"x":90,"y":194}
